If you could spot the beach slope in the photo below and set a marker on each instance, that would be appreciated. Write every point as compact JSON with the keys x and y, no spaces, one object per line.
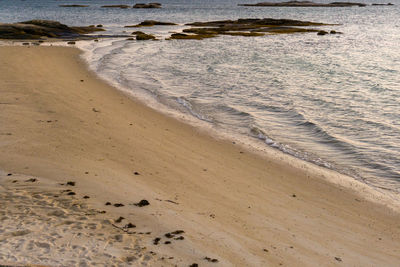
{"x":60,"y":123}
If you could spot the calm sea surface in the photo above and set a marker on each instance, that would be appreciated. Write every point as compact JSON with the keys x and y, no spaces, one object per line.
{"x":333,"y":100}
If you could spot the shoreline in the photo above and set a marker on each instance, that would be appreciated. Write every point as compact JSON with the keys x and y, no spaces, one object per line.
{"x":67,"y":124}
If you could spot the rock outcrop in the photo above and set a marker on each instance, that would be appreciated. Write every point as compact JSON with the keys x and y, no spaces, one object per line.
{"x":246,"y":28}
{"x":73,"y":5}
{"x":36,"y":29}
{"x":150,"y":23}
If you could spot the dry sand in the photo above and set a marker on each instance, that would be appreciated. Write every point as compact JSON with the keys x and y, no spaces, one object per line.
{"x":60,"y":123}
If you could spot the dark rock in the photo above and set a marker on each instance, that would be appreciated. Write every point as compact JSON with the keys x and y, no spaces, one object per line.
{"x":71,"y":193}
{"x":169,"y":235}
{"x":252,"y":23}
{"x":144,"y":36}
{"x":137,"y":32}
{"x":73,"y":5}
{"x":99,"y":26}
{"x":115,"y":6}
{"x":32,"y":180}
{"x":338,"y":259}
{"x":182,"y":36}
{"x":118,"y":205}
{"x":25,"y":43}
{"x":245,"y":27}
{"x":9,"y":174}
{"x":36,"y":29}
{"x":108,"y":203}
{"x":322,"y":33}
{"x":294,"y":195}
{"x":130,"y":39}
{"x":136,"y":173}
{"x":194,"y":265}
{"x":167,"y":242}
{"x":346,"y":4}
{"x":149,"y":23}
{"x":71,"y":183}
{"x":150,"y":5}
{"x":86,"y":197}
{"x":179,"y":238}
{"x":71,"y":42}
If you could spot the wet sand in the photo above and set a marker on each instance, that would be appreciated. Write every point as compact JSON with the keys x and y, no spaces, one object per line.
{"x":235,"y":206}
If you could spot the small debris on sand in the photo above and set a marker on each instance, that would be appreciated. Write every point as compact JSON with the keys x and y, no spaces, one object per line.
{"x":156,"y":240}
{"x":210,"y":260}
{"x":32,"y":180}
{"x":178,"y":232}
{"x":142,"y":203}
{"x":119,"y":219}
{"x":130,"y":225}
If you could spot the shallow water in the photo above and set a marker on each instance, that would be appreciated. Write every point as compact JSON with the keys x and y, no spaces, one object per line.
{"x":332,"y":100}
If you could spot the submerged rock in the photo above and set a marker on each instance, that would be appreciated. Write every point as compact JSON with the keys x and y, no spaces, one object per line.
{"x":144,"y":36}
{"x":191,"y":36}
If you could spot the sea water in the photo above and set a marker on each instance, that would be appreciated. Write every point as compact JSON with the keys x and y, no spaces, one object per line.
{"x":333,"y":100}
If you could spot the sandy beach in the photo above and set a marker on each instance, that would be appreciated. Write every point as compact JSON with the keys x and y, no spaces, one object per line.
{"x":212,"y":202}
